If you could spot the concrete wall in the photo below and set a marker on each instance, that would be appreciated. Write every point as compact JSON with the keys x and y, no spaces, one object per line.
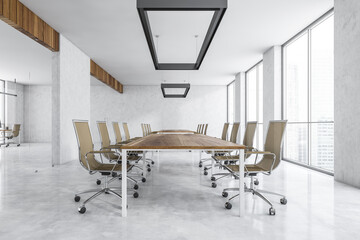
{"x":145,"y":104}
{"x":37,"y":113}
{"x":272,"y":86}
{"x":347,"y":86}
{"x":71,"y":99}
{"x":14,"y":106}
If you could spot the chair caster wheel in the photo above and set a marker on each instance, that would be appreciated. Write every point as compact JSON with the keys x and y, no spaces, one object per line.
{"x":200,"y":165}
{"x":136,"y":186}
{"x":213,"y":185}
{"x":228,"y":205}
{"x":283,"y":201}
{"x":98,"y":182}
{"x":271,"y":211}
{"x":143,"y":179}
{"x":205,"y":173}
{"x":152,"y":162}
{"x":149,"y":169}
{"x":136,"y":195}
{"x":114,"y":174}
{"x":7,"y":145}
{"x":82,"y":210}
{"x":225,"y":194}
{"x":148,"y":165}
{"x":77,"y":198}
{"x":213,"y":179}
{"x":18,"y":145}
{"x":256,"y":182}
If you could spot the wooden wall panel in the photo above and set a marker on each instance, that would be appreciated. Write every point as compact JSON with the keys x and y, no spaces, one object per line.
{"x":105,"y":77}
{"x":23,"y":19}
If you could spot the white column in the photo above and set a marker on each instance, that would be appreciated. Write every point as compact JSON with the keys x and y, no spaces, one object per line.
{"x":271,"y":85}
{"x":240,"y":102}
{"x":347,"y":97}
{"x":70,"y":99}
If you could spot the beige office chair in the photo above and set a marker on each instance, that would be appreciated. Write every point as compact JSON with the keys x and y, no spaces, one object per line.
{"x":271,"y":158}
{"x":205,"y":130}
{"x":198,"y":128}
{"x":143,"y":129}
{"x":127,"y":133}
{"x":233,"y":138}
{"x":15,"y":134}
{"x":118,"y":138}
{"x":116,"y":156}
{"x":248,"y":141}
{"x":90,"y":163}
{"x":223,"y":137}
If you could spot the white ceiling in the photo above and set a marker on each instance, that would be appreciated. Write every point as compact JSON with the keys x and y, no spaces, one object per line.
{"x":110,"y":32}
{"x":23,"y":58}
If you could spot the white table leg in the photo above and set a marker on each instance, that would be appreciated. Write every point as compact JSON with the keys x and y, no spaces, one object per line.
{"x":144,"y":164}
{"x":241,"y":184}
{"x":124,"y":184}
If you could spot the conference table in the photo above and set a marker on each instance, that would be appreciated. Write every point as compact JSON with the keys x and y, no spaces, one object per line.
{"x":180,"y":142}
{"x":173,"y":131}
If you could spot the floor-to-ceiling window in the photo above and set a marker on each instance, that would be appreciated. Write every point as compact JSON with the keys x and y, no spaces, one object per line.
{"x":254,"y":101}
{"x":308,"y":100}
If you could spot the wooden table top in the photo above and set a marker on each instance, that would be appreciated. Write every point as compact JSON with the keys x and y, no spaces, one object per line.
{"x":5,"y":130}
{"x":174,"y":131}
{"x":180,"y":141}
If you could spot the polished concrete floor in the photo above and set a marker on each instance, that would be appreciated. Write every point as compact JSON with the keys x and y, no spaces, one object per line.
{"x":177,"y":202}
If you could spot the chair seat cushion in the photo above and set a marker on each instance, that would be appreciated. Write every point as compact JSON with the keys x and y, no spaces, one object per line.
{"x":109,"y":167}
{"x":248,"y":168}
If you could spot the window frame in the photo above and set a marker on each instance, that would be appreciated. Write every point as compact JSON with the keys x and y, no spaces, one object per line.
{"x":307,"y":30}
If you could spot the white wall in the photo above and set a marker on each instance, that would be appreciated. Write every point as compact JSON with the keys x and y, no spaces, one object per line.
{"x":145,"y":104}
{"x":347,"y":97}
{"x":71,"y":98}
{"x":14,"y":106}
{"x":37,"y":113}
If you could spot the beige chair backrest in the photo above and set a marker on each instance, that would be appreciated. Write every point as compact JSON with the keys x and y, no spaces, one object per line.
{"x":126,"y":130}
{"x":198,"y":129}
{"x":105,"y":139}
{"x":149,"y":129}
{"x":117,"y":132}
{"x":224,"y":132}
{"x":202,"y":128}
{"x":143,"y":129}
{"x":16,"y":130}
{"x":234,"y":132}
{"x":205,"y":131}
{"x":85,"y":144}
{"x":249,"y":134}
{"x":273,"y":143}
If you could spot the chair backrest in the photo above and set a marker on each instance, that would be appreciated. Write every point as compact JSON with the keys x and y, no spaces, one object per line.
{"x":16,"y":130}
{"x":85,"y":144}
{"x":126,"y":130}
{"x":143,"y":129}
{"x":224,"y":132}
{"x":205,"y":131}
{"x":105,"y":139}
{"x":202,"y":129}
{"x":149,"y":128}
{"x":234,"y":132}
{"x":273,"y":143}
{"x":198,"y":129}
{"x":249,"y":134}
{"x":117,"y":132}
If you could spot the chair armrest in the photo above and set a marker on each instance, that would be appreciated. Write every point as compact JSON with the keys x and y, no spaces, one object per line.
{"x":112,"y":147}
{"x":98,"y":152}
{"x":258,"y":152}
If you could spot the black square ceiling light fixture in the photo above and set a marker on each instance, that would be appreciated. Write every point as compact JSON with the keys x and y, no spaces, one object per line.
{"x":217,"y":6}
{"x":175,"y":90}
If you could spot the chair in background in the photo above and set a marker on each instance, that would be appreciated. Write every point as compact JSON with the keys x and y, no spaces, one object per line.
{"x":205,"y":130}
{"x":127,"y":133}
{"x":90,"y":163}
{"x":15,"y":134}
{"x":198,"y":128}
{"x":233,"y":138}
{"x":117,"y":132}
{"x":271,"y":158}
{"x":143,"y":129}
{"x":106,"y":145}
{"x":223,"y":137}
{"x":247,"y":142}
